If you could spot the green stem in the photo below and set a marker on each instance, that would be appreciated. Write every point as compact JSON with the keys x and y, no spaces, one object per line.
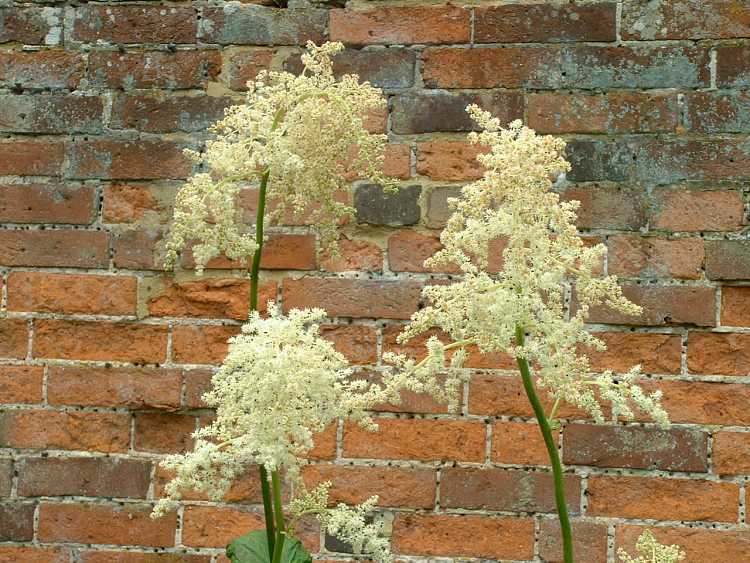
{"x":267,"y":510}
{"x":279,"y":517}
{"x":554,"y":456}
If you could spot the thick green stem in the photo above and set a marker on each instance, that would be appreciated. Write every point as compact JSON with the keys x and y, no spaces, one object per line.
{"x":279,"y":517}
{"x":554,"y":456}
{"x":254,"y":272}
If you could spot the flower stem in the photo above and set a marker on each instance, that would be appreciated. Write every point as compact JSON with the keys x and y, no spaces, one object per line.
{"x":279,"y":517}
{"x":554,"y":456}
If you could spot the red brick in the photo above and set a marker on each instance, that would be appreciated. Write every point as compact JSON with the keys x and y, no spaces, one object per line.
{"x":728,"y":259}
{"x":675,"y":449}
{"x":418,"y":439}
{"x":154,"y":69}
{"x":606,"y":206}
{"x":163,"y":432}
{"x":92,"y":340}
{"x":325,"y":444}
{"x":21,"y":384}
{"x":589,"y":541}
{"x":134,"y":24}
{"x":45,"y":69}
{"x":139,"y":249}
{"x":203,"y":344}
{"x":102,"y":556}
{"x":353,"y":298}
{"x":731,"y":453}
{"x":27,"y":554}
{"x":635,"y":256}
{"x":663,"y":305}
{"x":509,"y":490}
{"x":129,"y":203}
{"x":255,"y":25}
{"x":209,"y":526}
{"x":410,"y":402}
{"x":401,"y":25}
{"x":280,"y":252}
{"x":127,"y":524}
{"x":30,"y":26}
{"x":31,"y":158}
{"x":47,"y":429}
{"x":642,"y":19}
{"x":83,"y":476}
{"x":69,"y":293}
{"x":357,"y":342}
{"x":210,"y":298}
{"x":662,"y":499}
{"x":407,"y":251}
{"x":718,"y":112}
{"x":114,"y":387}
{"x":354,"y":255}
{"x":699,"y":544}
{"x":655,"y":353}
{"x":128,"y":160}
{"x":735,"y":306}
{"x":680,"y":209}
{"x":197,"y":382}
{"x":615,"y":112}
{"x":703,"y":402}
{"x":159,"y":114}
{"x":242,"y":65}
{"x":449,"y":160}
{"x":519,"y":443}
{"x":46,"y":203}
{"x":54,"y":248}
{"x":394,"y":486}
{"x":544,"y":23}
{"x":51,"y":113}
{"x":14,"y":338}
{"x":16,"y":522}
{"x":719,"y":353}
{"x":445,"y":535}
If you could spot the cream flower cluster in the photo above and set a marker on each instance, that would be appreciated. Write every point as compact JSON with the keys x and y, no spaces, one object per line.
{"x":651,"y":551}
{"x":544,"y":260}
{"x":305,"y":134}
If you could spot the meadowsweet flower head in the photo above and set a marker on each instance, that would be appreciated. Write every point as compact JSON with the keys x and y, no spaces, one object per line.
{"x":306,"y":133}
{"x":543,"y":258}
{"x":651,"y":551}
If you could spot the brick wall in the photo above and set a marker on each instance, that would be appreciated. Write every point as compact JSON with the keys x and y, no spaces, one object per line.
{"x":104,"y":356}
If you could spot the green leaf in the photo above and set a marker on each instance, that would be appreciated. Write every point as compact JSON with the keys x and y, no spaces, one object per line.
{"x":253,"y":548}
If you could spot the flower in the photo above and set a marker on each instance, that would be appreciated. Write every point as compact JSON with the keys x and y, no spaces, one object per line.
{"x":545,"y":261}
{"x":304,"y":135}
{"x":651,"y":551}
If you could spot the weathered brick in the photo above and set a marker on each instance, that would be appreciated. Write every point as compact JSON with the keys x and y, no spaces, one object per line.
{"x":134,"y":24}
{"x":662,"y":498}
{"x":208,"y":526}
{"x":589,"y":541}
{"x":210,"y":297}
{"x":98,"y":340}
{"x":14,"y":337}
{"x":242,"y":24}
{"x":163,"y":432}
{"x":242,"y":65}
{"x":83,"y":476}
{"x":401,"y":25}
{"x":130,"y":203}
{"x":106,"y":556}
{"x":6,"y":477}
{"x":429,"y":111}
{"x":735,"y":306}
{"x":28,"y":554}
{"x":128,"y":160}
{"x":407,"y":251}
{"x":437,"y":209}
{"x":504,"y":489}
{"x":719,"y":353}
{"x":50,"y":113}
{"x":123,"y":524}
{"x":449,"y":160}
{"x":46,"y":429}
{"x":47,"y":203}
{"x":31,"y":158}
{"x":733,"y":66}
{"x":599,"y":161}
{"x":608,"y":206}
{"x":140,"y":249}
{"x":676,"y":449}
{"x":37,"y":70}
{"x":114,"y":387}
{"x":281,"y":251}
{"x":701,"y":402}
{"x":201,"y":344}
{"x":644,"y":20}
{"x":16,"y":521}
{"x":354,"y":255}
{"x":153,"y":69}
{"x":410,"y":402}
{"x":545,"y":23}
{"x":663,"y":305}
{"x":21,"y":384}
{"x":634,"y":256}
{"x":519,"y":443}
{"x":357,"y":342}
{"x":30,"y":25}
{"x":614,"y":112}
{"x":395,"y":486}
{"x":718,"y":111}
{"x":728,"y":259}
{"x":424,"y":440}
{"x":445,"y":535}
{"x":699,"y":544}
{"x":70,"y":293}
{"x":197,"y":382}
{"x":681,"y":209}
{"x":160,"y":114}
{"x":655,"y":353}
{"x":378,"y":207}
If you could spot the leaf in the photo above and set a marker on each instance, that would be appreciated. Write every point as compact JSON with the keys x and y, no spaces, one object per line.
{"x":253,"y":548}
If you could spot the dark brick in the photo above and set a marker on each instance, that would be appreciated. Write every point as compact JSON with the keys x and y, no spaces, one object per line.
{"x":138,"y":249}
{"x":128,"y":160}
{"x":50,"y":113}
{"x":599,"y":161}
{"x":728,"y":259}
{"x":705,"y":19}
{"x":46,"y":203}
{"x":36,"y":70}
{"x":377,"y":207}
{"x":158,"y":114}
{"x":676,"y":449}
{"x":608,"y":206}
{"x":428,"y":111}
{"x":438,"y":211}
{"x":589,"y":541}
{"x":83,"y":476}
{"x":718,"y":111}
{"x":238,"y":24}
{"x":16,"y":522}
{"x":134,"y":24}
{"x":733,"y":66}
{"x":31,"y":26}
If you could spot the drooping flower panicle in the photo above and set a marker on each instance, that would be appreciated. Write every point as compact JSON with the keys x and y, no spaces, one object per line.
{"x":651,"y":551}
